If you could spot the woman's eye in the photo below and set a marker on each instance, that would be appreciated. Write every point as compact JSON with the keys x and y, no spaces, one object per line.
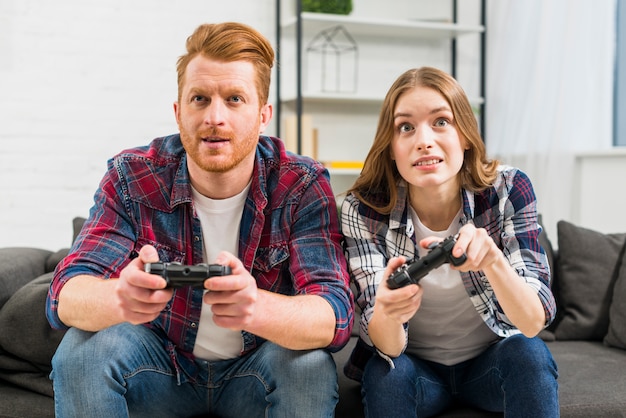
{"x":441,"y":123}
{"x":405,"y":127}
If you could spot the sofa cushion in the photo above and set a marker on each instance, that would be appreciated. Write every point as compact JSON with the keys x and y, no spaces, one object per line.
{"x":26,"y":350}
{"x":591,"y":379}
{"x":55,"y":258}
{"x":616,"y":336}
{"x":583,"y":285}
{"x":19,"y":266}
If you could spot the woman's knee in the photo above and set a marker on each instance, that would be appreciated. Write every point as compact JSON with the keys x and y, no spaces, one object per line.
{"x":401,"y":372}
{"x":526,"y":354}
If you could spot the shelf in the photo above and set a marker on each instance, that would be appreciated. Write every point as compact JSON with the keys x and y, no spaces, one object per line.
{"x":315,"y":22}
{"x":385,"y":43}
{"x":336,"y":98}
{"x":344,"y":171}
{"x":347,"y":98}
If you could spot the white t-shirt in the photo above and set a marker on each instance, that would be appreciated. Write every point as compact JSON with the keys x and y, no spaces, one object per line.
{"x":220,"y":220}
{"x":446,"y":328}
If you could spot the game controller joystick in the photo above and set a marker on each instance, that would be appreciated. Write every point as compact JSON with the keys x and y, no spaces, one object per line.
{"x":179,"y":275}
{"x":414,"y":270}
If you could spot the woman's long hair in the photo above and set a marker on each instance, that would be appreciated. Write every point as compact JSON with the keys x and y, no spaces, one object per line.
{"x":376,"y":185}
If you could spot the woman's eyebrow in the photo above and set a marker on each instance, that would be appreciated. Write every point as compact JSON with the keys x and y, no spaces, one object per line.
{"x":432,"y":112}
{"x":440,"y":109}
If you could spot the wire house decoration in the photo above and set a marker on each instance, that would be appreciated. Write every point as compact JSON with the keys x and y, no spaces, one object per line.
{"x":337,"y":54}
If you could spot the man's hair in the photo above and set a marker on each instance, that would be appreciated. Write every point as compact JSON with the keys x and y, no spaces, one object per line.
{"x":230,"y":41}
{"x":376,"y":186}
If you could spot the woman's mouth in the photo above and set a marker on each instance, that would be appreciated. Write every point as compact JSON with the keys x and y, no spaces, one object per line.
{"x":428,"y":162}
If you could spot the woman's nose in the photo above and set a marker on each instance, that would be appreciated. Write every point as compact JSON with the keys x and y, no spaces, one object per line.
{"x":423,"y":137}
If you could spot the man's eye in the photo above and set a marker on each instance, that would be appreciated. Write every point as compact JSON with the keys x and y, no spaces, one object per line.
{"x":236,"y":99}
{"x":198,"y":98}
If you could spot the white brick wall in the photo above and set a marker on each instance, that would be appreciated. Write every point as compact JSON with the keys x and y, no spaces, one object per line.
{"x":79,"y":81}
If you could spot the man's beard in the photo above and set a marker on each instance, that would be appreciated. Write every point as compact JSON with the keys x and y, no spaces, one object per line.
{"x":208,"y":161}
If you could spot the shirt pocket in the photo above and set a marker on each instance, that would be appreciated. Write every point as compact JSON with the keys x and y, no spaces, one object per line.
{"x":270,"y":269}
{"x":166,"y":253}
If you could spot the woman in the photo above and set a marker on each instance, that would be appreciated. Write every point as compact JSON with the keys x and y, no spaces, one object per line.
{"x":463,"y":334}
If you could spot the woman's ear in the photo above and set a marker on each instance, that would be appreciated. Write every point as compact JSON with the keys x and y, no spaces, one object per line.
{"x":466,"y":144}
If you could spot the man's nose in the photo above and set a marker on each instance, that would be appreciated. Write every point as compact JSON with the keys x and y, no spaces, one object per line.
{"x":214,"y":113}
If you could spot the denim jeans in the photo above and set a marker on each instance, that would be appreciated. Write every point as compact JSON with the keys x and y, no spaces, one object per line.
{"x":124,"y":371}
{"x":517,"y":376}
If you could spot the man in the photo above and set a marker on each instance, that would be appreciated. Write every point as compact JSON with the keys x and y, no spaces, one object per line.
{"x":252,"y":343}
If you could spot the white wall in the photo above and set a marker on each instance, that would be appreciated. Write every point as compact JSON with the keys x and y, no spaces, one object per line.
{"x":599,"y":200}
{"x":82,"y":79}
{"x":550,"y":69}
{"x":79,"y":81}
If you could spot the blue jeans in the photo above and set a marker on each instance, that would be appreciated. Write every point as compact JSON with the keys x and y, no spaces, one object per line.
{"x":517,"y":376}
{"x":124,"y":371}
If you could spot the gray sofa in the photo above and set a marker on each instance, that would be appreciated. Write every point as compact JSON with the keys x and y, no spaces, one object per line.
{"x":588,"y":340}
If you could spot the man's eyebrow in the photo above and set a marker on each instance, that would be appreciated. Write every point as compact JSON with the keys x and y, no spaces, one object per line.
{"x":195,"y":90}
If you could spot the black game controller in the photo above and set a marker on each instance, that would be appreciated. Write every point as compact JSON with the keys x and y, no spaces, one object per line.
{"x":180,"y":275}
{"x":414,"y":270}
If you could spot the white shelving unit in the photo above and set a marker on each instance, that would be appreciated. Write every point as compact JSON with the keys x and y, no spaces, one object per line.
{"x":345,"y":122}
{"x":314,"y":22}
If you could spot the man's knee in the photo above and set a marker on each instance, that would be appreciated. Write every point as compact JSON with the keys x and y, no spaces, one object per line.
{"x":302,"y":367}
{"x":79,"y":349}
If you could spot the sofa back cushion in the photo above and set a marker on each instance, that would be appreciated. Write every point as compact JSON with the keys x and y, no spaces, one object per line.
{"x":616,"y":336}
{"x":583,"y":281}
{"x":27,"y":342}
{"x":18,"y":266}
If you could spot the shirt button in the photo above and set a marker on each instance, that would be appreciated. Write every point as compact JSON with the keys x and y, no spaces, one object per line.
{"x":193,"y":325}
{"x":196,"y":238}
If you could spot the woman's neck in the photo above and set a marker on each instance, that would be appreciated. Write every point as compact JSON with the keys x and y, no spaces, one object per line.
{"x":435,"y":210}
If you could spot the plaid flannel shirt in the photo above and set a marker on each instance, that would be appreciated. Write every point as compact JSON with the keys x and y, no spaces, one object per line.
{"x":290,"y":239}
{"x":507,"y":210}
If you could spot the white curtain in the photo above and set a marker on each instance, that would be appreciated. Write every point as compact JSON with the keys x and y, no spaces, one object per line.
{"x":549,"y":96}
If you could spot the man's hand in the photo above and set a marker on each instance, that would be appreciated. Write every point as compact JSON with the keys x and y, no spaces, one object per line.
{"x":234,"y":297}
{"x":141,"y":296}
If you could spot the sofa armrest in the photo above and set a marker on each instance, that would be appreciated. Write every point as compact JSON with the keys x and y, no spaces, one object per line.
{"x":18,"y":266}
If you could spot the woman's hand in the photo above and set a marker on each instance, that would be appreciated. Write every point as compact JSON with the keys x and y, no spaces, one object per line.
{"x":393,"y":308}
{"x":398,"y":305}
{"x":479,"y":248}
{"x":518,"y":300}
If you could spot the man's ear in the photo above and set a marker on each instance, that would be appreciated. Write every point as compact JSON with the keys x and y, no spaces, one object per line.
{"x":175,"y":105}
{"x":265,"y":117}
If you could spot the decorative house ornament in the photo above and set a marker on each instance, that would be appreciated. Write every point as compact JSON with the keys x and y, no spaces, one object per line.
{"x":340,"y":7}
{"x":332,"y":55}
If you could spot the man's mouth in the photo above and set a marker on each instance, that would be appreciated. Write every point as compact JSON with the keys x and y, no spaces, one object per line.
{"x":214,"y":139}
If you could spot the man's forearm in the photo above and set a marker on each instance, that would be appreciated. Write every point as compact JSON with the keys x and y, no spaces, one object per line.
{"x":87,"y":302}
{"x":296,"y":322}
